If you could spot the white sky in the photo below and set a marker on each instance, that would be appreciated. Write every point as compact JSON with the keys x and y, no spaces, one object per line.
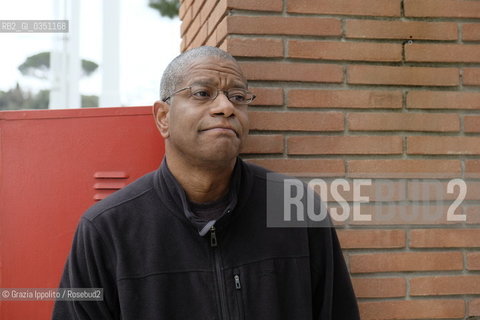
{"x":147,"y":43}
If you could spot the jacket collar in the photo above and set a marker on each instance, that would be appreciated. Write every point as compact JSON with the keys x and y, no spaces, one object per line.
{"x":173,"y":195}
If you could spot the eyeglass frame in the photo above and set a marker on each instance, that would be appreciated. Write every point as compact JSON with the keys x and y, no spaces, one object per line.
{"x":225,"y":92}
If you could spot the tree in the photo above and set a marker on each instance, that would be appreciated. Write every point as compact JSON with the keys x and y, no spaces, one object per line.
{"x":16,"y":98}
{"x":166,"y":8}
{"x":89,"y":101}
{"x":38,"y":66}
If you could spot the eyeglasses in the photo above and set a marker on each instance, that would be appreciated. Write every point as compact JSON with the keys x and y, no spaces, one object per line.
{"x":205,"y":93}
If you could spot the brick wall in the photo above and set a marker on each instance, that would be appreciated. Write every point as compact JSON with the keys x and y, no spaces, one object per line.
{"x":383,"y":89}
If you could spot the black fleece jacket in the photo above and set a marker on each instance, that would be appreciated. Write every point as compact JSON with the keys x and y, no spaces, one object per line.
{"x":141,"y":246}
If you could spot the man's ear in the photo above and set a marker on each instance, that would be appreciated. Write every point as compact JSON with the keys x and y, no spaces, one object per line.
{"x":161,"y":115}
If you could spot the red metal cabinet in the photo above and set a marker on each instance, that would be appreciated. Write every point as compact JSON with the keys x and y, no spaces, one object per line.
{"x":54,"y":164}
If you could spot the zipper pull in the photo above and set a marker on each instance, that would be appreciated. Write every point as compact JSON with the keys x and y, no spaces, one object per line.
{"x":213,"y":237}
{"x":237,"y":282}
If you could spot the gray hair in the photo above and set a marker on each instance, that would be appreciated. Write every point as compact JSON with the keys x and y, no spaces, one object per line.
{"x":177,"y":69}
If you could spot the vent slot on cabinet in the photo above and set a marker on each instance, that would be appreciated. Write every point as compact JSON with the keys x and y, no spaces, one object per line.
{"x":107,"y":182}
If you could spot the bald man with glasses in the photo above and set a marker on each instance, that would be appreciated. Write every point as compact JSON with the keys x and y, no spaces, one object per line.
{"x":190,"y":240}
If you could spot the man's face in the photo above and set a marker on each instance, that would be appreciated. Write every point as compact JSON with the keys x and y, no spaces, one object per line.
{"x":212,"y":130}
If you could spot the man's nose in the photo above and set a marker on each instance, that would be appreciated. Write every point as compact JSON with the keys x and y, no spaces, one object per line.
{"x":222,"y":106}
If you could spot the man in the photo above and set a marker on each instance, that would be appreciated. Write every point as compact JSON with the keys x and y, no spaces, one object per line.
{"x":190,"y":240}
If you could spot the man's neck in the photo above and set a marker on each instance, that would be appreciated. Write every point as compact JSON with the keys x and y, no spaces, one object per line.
{"x":202,"y":183}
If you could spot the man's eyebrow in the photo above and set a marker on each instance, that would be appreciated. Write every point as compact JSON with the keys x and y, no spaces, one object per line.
{"x":238,"y":84}
{"x":203,"y":82}
{"x":208,"y":82}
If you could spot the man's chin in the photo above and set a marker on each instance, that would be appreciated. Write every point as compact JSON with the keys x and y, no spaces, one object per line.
{"x":220,"y":156}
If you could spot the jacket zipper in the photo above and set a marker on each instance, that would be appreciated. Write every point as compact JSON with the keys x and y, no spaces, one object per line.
{"x":238,"y":286}
{"x":219,"y":274}
{"x":238,"y":295}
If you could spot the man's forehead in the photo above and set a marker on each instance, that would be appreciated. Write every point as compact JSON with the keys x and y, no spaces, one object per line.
{"x":211,"y":70}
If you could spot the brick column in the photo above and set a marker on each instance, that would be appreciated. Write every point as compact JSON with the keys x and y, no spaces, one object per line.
{"x":370,"y":88}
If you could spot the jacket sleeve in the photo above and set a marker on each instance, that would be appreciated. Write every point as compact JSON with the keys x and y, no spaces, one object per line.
{"x":89,"y":265}
{"x":332,"y":291}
